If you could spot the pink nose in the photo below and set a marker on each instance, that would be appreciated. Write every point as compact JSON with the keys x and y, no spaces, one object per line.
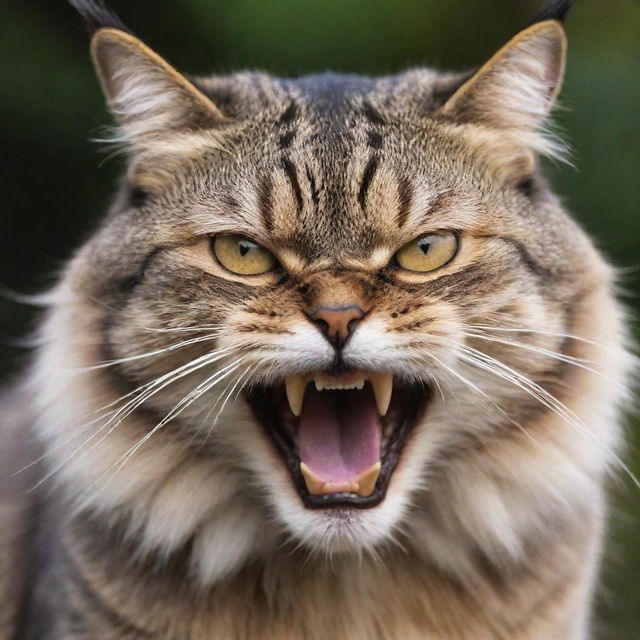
{"x":337,"y":323}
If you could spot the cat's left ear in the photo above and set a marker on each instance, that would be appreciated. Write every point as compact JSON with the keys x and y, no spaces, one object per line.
{"x":147,"y":96}
{"x":516,"y":89}
{"x":145,"y":93}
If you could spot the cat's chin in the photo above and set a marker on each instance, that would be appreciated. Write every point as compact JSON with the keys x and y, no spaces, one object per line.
{"x":340,"y":436}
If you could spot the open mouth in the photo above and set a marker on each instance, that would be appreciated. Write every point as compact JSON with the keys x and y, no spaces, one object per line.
{"x":340,"y":436}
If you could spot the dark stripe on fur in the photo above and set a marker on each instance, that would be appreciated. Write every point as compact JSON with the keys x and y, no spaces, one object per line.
{"x":527,"y":186}
{"x":265,"y":202}
{"x":137,"y":197}
{"x":439,"y":202}
{"x":286,"y":139}
{"x":371,"y":114}
{"x":374,"y":139}
{"x":367,"y":177}
{"x":127,"y":285}
{"x":457,"y":285}
{"x":453,"y":286}
{"x":405,"y":197}
{"x":533,"y":265}
{"x":494,"y":574}
{"x":290,"y":113}
{"x":98,"y":16}
{"x":315,"y":194}
{"x":292,"y":174}
{"x":114,"y":619}
{"x":553,"y":10}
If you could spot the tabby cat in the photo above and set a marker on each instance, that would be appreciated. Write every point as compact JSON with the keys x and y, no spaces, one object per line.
{"x":336,"y":366}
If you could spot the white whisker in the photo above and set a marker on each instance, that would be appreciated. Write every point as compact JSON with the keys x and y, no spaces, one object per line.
{"x":150,"y":389}
{"x":491,"y":365}
{"x":581,"y":363}
{"x":475,"y":388}
{"x":551,"y":334}
{"x":193,"y":395}
{"x":149,"y":354}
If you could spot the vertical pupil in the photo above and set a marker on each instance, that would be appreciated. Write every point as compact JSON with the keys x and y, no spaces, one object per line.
{"x":424,"y":245}
{"x":244,"y":247}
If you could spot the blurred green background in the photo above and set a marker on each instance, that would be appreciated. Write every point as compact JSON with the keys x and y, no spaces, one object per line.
{"x":54,"y":184}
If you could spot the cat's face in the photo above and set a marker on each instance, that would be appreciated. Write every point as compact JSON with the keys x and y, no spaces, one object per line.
{"x":315,"y":276}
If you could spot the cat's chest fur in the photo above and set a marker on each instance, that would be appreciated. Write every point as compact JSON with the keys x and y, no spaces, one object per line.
{"x":93,"y":586}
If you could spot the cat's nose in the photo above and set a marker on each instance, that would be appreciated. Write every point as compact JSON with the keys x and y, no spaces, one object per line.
{"x":337,"y":323}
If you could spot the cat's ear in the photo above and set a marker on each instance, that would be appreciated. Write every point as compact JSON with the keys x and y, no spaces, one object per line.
{"x":146,"y":94}
{"x":516,"y":89}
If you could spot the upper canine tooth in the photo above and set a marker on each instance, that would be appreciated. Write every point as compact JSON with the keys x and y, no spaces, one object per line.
{"x":382,"y":384}
{"x":295,"y":386}
{"x":320,"y":385}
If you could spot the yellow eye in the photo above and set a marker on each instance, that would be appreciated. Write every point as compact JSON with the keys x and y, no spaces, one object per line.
{"x":428,"y":252}
{"x":242,"y":255}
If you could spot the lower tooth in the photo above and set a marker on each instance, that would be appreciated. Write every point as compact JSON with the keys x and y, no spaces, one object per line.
{"x":366,"y":480}
{"x":340,"y":487}
{"x":363,"y":484}
{"x":314,"y":483}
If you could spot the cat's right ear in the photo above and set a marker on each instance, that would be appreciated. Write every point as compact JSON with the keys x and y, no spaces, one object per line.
{"x":513,"y":93}
{"x":147,"y":96}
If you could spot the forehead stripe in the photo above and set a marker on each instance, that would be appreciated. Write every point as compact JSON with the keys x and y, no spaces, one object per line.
{"x":372,"y":114}
{"x":374,"y":139}
{"x":286,"y":139}
{"x":290,"y":113}
{"x":265,"y":202}
{"x":405,"y":199}
{"x":440,"y":202}
{"x":367,"y":177}
{"x":292,"y":174}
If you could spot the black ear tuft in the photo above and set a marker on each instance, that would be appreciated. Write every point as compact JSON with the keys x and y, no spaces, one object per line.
{"x":98,"y":16}
{"x":553,"y":10}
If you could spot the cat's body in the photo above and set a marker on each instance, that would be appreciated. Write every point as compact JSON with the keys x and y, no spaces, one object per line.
{"x":509,"y":367}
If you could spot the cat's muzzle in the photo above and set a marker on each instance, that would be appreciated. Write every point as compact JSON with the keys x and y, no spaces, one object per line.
{"x":340,"y":436}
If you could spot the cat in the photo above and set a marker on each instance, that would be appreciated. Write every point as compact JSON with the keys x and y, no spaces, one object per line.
{"x":336,"y":365}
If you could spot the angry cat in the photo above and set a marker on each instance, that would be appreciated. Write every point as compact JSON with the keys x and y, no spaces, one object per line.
{"x":337,"y":364}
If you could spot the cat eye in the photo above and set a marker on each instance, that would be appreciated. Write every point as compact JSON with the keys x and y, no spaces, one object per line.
{"x":242,"y":255}
{"x":428,"y":252}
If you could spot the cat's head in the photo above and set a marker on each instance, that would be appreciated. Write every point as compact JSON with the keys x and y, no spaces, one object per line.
{"x":313,"y":279}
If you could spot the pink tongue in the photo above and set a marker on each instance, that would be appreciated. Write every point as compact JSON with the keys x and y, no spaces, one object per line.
{"x":339,"y":433}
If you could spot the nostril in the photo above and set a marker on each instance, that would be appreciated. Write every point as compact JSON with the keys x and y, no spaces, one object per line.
{"x":323,"y":325}
{"x":337,"y":323}
{"x":352,"y":324}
